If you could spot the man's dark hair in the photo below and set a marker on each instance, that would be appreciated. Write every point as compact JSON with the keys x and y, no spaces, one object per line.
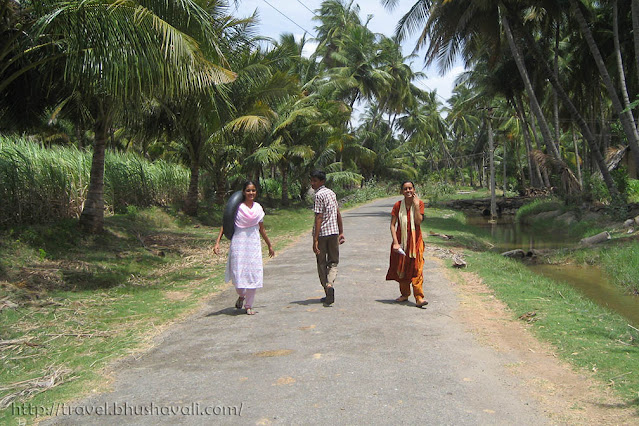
{"x":319,"y":174}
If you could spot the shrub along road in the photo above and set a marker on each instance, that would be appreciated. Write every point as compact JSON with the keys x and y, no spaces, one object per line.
{"x":365,"y":359}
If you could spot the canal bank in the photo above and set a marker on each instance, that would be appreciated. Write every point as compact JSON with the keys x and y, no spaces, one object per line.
{"x":549,"y":255}
{"x":583,"y":333}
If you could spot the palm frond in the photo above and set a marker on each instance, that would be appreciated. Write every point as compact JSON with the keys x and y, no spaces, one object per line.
{"x":342,"y":178}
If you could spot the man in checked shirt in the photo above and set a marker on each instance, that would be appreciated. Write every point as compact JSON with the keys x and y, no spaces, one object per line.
{"x":328,"y":234}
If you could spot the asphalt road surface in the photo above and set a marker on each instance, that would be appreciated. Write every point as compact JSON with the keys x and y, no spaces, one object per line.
{"x":364,"y":360}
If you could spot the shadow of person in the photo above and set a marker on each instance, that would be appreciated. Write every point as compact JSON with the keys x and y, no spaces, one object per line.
{"x":404,"y":303}
{"x":307,"y":302}
{"x":227,"y":311}
{"x":390,"y":302}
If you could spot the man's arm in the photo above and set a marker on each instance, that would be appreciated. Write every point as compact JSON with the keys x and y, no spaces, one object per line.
{"x":340,"y":227}
{"x":316,"y":231}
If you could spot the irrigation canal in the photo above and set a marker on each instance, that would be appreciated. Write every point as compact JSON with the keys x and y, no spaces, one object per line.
{"x":591,"y":281}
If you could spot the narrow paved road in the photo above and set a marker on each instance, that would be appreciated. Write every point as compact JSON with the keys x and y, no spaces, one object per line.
{"x":364,"y":360}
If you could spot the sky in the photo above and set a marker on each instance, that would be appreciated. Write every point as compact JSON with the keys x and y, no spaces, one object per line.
{"x":295,"y":16}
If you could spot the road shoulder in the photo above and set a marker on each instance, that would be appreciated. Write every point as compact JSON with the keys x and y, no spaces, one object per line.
{"x":567,"y":396}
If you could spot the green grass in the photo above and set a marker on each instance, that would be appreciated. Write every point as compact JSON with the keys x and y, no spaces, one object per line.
{"x":585,"y":334}
{"x":633,"y":191}
{"x":618,"y":258}
{"x":526,"y":212}
{"x":465,"y":193}
{"x":369,"y":191}
{"x":621,"y":262}
{"x":451,"y":222}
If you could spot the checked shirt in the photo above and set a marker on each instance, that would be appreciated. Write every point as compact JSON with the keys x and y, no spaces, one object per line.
{"x":326,"y":204}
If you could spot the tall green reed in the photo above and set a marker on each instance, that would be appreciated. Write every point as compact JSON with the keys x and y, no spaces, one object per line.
{"x":40,"y":184}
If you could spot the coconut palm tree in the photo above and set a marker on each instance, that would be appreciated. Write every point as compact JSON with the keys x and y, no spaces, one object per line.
{"x":350,"y":53}
{"x":571,"y":108}
{"x":464,"y":124}
{"x":401,"y":92}
{"x":336,"y":19}
{"x":115,"y":53}
{"x":266,"y":80}
{"x":198,"y":119}
{"x":296,"y":118}
{"x":624,"y":113}
{"x":454,"y":29}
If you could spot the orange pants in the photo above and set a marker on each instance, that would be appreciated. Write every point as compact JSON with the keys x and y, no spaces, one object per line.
{"x":417,"y":283}
{"x":408,"y":272}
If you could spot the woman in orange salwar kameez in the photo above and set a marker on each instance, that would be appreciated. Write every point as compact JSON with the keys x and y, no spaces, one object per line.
{"x":407,"y":251}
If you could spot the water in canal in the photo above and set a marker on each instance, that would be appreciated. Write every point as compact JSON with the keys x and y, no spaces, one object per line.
{"x":507,"y":235}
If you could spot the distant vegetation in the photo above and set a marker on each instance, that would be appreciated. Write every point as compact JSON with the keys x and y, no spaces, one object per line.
{"x":193,"y":83}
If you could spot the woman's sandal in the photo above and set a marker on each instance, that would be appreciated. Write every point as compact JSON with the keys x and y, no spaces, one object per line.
{"x":239,"y":302}
{"x":401,"y":299}
{"x":250,"y":311}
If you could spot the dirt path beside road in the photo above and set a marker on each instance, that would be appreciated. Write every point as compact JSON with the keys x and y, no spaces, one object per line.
{"x":568,"y":396}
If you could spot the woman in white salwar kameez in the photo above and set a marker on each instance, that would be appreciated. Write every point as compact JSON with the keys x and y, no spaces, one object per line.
{"x":244,"y":265}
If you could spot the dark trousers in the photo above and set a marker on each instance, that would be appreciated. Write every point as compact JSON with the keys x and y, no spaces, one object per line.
{"x":327,"y":259}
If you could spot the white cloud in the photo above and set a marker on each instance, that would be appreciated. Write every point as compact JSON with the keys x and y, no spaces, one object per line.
{"x":309,"y":48}
{"x":444,"y":85}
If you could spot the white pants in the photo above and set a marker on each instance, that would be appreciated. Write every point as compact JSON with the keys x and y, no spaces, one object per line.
{"x":248,"y":294}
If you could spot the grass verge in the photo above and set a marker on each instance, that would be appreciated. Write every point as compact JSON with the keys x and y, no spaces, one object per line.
{"x":71,"y":303}
{"x":587,"y":335}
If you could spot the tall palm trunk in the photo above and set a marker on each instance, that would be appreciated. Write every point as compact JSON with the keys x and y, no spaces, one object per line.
{"x":491,"y":154}
{"x":543,"y":171}
{"x":92,"y":216}
{"x":521,"y":174}
{"x":470,"y":165}
{"x":190,"y":204}
{"x":565,"y":99}
{"x":555,"y":98}
{"x":577,"y":160}
{"x":195,"y":143}
{"x":618,"y":58}
{"x":505,"y":180}
{"x":220,"y":189}
{"x":626,"y":118}
{"x":533,"y":168}
{"x":635,"y":31}
{"x":284,"y":172}
{"x":523,"y":72}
